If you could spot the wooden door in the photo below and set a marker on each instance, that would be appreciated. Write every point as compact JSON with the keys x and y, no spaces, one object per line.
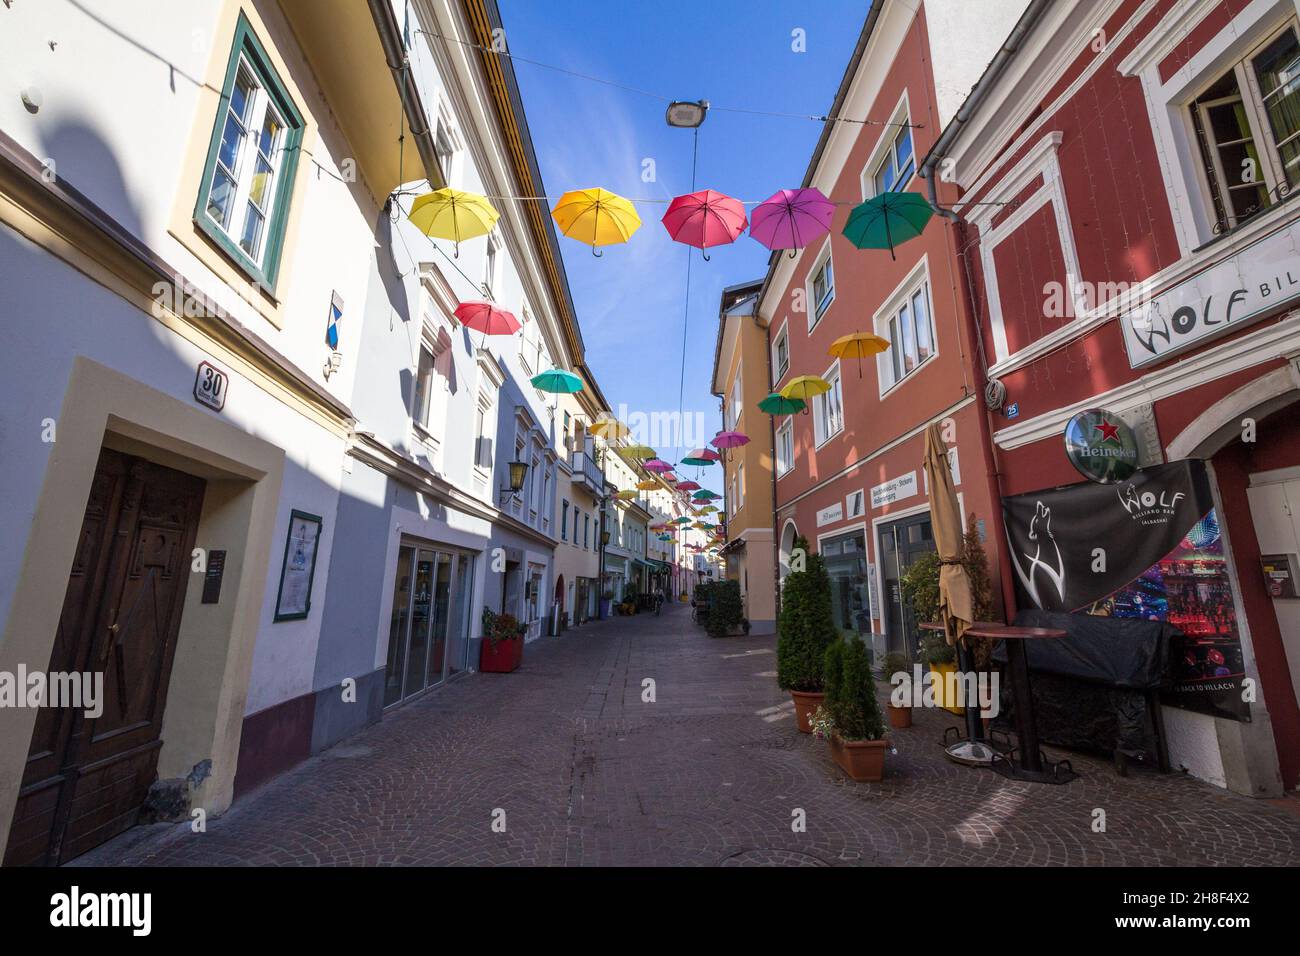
{"x":86,"y":777}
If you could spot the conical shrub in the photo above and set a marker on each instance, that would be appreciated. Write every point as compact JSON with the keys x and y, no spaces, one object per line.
{"x":806,"y":625}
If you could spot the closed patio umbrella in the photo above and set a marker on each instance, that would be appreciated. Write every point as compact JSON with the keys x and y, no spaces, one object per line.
{"x":955,"y":602}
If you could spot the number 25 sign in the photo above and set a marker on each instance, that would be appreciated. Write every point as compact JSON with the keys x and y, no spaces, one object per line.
{"x":210,"y":386}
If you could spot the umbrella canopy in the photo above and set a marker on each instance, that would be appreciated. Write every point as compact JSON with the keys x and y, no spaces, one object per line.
{"x":657,"y":464}
{"x":664,"y":537}
{"x":688,"y":486}
{"x":658,"y":525}
{"x":956,"y":604}
{"x":791,"y":218}
{"x":638,"y":451}
{"x":557,"y":380}
{"x":858,"y":345}
{"x":609,"y":428}
{"x":804,"y":387}
{"x":596,"y":216}
{"x":888,"y":220}
{"x":627,"y":494}
{"x":705,"y":495}
{"x":451,"y":214}
{"x":682,"y":520}
{"x":729,"y":440}
{"x":701,"y":457}
{"x":708,"y":509}
{"x":648,"y":485}
{"x":705,"y":218}
{"x":778,"y":404}
{"x":486,"y":317}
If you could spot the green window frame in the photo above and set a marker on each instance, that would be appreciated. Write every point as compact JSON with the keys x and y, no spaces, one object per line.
{"x":244,"y":145}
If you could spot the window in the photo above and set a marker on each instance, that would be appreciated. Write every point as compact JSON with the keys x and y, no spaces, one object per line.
{"x":856,"y":504}
{"x":910,"y":331}
{"x":483,"y":441}
{"x":735,"y":409}
{"x":780,"y":355}
{"x":894,"y":171}
{"x":423,"y":387}
{"x":821,"y":288}
{"x":740,"y":486}
{"x":445,"y":150}
{"x":491,"y":265}
{"x":586,"y":531}
{"x":564,"y":520}
{"x":828,"y":408}
{"x":244,"y":199}
{"x":785,"y":447}
{"x":1248,"y":126}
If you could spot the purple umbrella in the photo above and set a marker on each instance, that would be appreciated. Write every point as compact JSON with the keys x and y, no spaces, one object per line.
{"x":791,"y":218}
{"x":657,"y":464}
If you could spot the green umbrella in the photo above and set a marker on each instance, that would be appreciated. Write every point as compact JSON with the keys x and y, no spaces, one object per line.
{"x":887,"y":220}
{"x":705,"y":495}
{"x":683,"y":520}
{"x":557,"y":380}
{"x":688,"y":460}
{"x":778,"y":404}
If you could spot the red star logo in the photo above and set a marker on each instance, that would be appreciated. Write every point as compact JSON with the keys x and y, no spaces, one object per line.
{"x":1108,"y":431}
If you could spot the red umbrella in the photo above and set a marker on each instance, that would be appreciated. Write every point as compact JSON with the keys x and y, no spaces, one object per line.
{"x":688,"y":486}
{"x":487,"y":318}
{"x":705,"y":218}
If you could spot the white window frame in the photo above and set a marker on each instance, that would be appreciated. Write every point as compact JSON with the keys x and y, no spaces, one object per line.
{"x":492,"y":265}
{"x":824,"y":256}
{"x":1168,"y":102}
{"x":917,"y":280}
{"x":735,"y":403}
{"x":822,"y":432}
{"x":784,"y":432}
{"x":782,"y":336}
{"x":884,"y":152}
{"x":860,"y":496}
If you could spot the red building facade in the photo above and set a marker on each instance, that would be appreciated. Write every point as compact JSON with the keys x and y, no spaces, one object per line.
{"x":848,"y":473}
{"x":1123,"y":189}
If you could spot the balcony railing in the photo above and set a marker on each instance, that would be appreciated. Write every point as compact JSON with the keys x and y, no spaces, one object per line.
{"x":583,"y":462}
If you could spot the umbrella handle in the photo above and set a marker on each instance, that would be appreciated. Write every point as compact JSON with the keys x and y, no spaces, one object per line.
{"x":794,"y":253}
{"x":455,"y":251}
{"x":706,"y":256}
{"x":596,"y":252}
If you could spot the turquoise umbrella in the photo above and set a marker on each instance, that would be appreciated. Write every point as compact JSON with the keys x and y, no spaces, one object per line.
{"x":778,"y":404}
{"x":887,"y":220}
{"x":557,"y":380}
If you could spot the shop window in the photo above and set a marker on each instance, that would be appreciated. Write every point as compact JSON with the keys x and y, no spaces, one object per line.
{"x":1248,"y":126}
{"x":252,"y":156}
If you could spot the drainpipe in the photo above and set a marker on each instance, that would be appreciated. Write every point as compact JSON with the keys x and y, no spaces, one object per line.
{"x":771,"y":432}
{"x":390,"y":36}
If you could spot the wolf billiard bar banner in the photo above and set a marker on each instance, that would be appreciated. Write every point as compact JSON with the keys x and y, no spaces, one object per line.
{"x":1147,"y":547}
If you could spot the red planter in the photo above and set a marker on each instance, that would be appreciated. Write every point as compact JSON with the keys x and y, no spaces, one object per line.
{"x":899,"y":717}
{"x":804,"y":706}
{"x":862,"y":760}
{"x":506,"y":656}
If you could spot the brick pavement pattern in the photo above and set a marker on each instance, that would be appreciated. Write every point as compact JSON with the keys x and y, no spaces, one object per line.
{"x":711,"y":773}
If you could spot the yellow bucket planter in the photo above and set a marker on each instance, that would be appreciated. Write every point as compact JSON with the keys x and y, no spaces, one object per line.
{"x":945,"y":689}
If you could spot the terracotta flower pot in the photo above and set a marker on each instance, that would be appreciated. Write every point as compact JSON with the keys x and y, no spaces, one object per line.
{"x":804,"y":705}
{"x":900,"y":717}
{"x":862,"y":760}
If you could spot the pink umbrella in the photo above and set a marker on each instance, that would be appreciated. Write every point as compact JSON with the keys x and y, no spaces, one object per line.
{"x":792,"y":218}
{"x":657,"y":464}
{"x":705,"y":218}
{"x":487,"y":318}
{"x":729,"y":440}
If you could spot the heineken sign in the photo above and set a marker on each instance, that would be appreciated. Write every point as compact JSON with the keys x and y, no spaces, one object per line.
{"x":1101,"y":446}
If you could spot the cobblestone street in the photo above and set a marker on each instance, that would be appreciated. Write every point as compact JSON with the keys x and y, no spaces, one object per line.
{"x":708,"y":774}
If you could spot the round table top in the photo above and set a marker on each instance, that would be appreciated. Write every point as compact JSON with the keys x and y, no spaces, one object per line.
{"x":996,"y":630}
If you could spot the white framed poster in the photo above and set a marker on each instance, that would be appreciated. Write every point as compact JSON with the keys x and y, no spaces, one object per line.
{"x":293,"y":602}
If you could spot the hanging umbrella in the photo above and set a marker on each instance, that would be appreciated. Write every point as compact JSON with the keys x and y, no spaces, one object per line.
{"x":688,"y":486}
{"x":557,"y":380}
{"x":705,"y":495}
{"x":657,"y":464}
{"x":609,"y":429}
{"x":486,"y":317}
{"x":729,"y":440}
{"x":658,"y":526}
{"x":705,"y":218}
{"x":648,"y":485}
{"x":791,"y":218}
{"x":454,"y":215}
{"x":778,"y":404}
{"x":888,"y":220}
{"x":858,"y":345}
{"x":701,"y":457}
{"x":708,"y":509}
{"x":682,"y":520}
{"x":627,"y":494}
{"x":597,"y":217}
{"x":638,"y":451}
{"x":805,"y":387}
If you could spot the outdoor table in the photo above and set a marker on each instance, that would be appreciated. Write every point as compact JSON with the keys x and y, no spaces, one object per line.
{"x":1030,"y":765}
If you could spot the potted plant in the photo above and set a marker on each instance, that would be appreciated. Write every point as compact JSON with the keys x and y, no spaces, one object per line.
{"x":857,"y":738}
{"x":805,"y":628}
{"x":900,"y":715}
{"x":728,"y":610}
{"x":502,"y":650}
{"x":920,"y":584}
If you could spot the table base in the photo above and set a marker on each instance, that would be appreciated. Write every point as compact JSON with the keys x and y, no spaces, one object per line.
{"x":1057,"y":772}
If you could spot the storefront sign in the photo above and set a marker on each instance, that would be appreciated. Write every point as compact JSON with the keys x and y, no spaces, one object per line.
{"x":830,"y":515}
{"x":1101,"y":446}
{"x":896,"y":489}
{"x":1147,"y":548}
{"x":1257,"y":280}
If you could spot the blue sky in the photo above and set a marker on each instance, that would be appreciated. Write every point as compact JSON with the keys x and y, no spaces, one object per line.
{"x":631,"y":301}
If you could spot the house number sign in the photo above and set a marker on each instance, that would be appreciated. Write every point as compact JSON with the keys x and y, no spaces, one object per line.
{"x":210,"y":386}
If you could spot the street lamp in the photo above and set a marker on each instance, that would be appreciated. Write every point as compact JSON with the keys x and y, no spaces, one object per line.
{"x":518,"y":472}
{"x":604,"y":537}
{"x":685,"y":114}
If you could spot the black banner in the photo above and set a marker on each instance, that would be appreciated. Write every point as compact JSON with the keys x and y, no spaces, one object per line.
{"x":1148,"y":548}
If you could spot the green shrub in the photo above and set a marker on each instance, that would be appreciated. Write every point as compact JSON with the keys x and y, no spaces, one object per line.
{"x":727,"y":610}
{"x":895,"y":662}
{"x":935,"y":649}
{"x":851,"y":691}
{"x":921,"y":587}
{"x":806,"y":626}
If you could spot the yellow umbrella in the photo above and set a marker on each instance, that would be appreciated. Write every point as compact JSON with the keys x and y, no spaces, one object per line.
{"x":609,"y":428}
{"x":647,"y":485}
{"x":804,"y":387}
{"x":709,"y":509}
{"x":858,"y":345}
{"x":597,"y":217}
{"x":451,"y":214}
{"x":638,"y":451}
{"x":626,"y":494}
